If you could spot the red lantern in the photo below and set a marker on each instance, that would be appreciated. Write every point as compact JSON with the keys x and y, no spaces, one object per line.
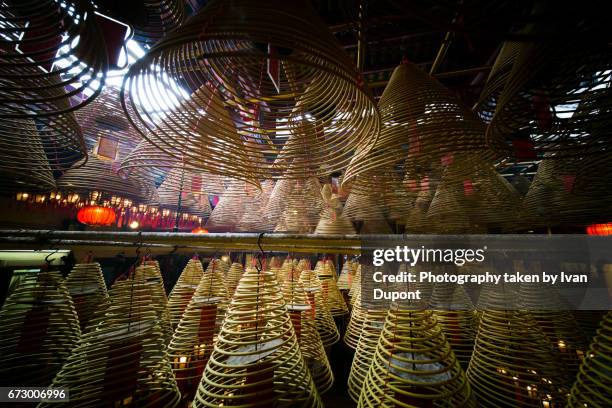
{"x":199,"y":230}
{"x":96,"y":216}
{"x":600,"y":229}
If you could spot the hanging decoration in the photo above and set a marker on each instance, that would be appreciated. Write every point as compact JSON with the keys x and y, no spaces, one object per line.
{"x":96,"y":216}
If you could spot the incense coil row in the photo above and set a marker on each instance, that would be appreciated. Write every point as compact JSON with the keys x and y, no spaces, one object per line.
{"x":184,"y":289}
{"x":39,"y":328}
{"x":237,"y":50}
{"x":257,"y":360}
{"x":86,"y":286}
{"x":123,"y":360}
{"x":196,"y":334}
{"x":413,"y":365}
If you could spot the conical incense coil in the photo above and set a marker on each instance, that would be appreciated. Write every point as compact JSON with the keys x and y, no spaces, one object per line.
{"x":257,"y":359}
{"x":232,"y":205}
{"x":355,"y":325}
{"x":253,"y":219}
{"x":294,"y":56}
{"x":330,"y":292}
{"x":513,"y":364}
{"x":151,"y":277}
{"x":196,"y":334}
{"x":414,"y":366}
{"x":39,"y":328}
{"x":418,"y":112}
{"x":303,"y":319}
{"x":455,"y":313}
{"x":86,"y":286}
{"x":545,"y":95}
{"x":52,"y":61}
{"x":559,"y":325}
{"x":123,"y":360}
{"x":24,"y":163}
{"x":331,"y":223}
{"x":356,"y":285}
{"x":184,"y":289}
{"x":233,"y":277}
{"x":363,"y":206}
{"x":324,"y":320}
{"x":182,"y":199}
{"x":296,"y":203}
{"x":345,"y":280}
{"x":594,"y":383}
{"x":372,"y":326}
{"x":99,"y":175}
{"x":425,"y":188}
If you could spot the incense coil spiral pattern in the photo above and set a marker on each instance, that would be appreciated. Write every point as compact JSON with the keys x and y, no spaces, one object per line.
{"x":233,"y":277}
{"x":37,"y":35}
{"x":184,"y":199}
{"x":253,"y":218}
{"x":303,"y":319}
{"x":418,"y":111}
{"x":239,"y":45}
{"x":513,"y":364}
{"x":257,"y":360}
{"x":196,"y":334}
{"x":86,"y":286}
{"x":371,"y":328}
{"x":345,"y":279}
{"x":39,"y":328}
{"x":546,"y":95}
{"x":123,"y":359}
{"x":355,"y":326}
{"x":594,"y":382}
{"x":184,"y":289}
{"x":295,"y":205}
{"x":232,"y":205}
{"x":156,"y":19}
{"x":329,"y":288}
{"x":413,"y":365}
{"x":324,"y":320}
{"x":455,"y":313}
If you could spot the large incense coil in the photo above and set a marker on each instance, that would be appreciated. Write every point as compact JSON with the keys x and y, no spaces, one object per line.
{"x":355,"y":325}
{"x":472,"y":196}
{"x":196,"y":334}
{"x":425,"y":188}
{"x":37,"y":35}
{"x":232,"y":205}
{"x":345,"y":279}
{"x":414,"y":366}
{"x":545,"y":95}
{"x":456,"y":315}
{"x":123,"y":360}
{"x":184,"y":289}
{"x":513,"y":364}
{"x":324,"y":320}
{"x":237,"y":45}
{"x":186,"y":200}
{"x":99,"y":175}
{"x":303,"y":319}
{"x":594,"y":382}
{"x":86,"y":286}
{"x":150,"y":276}
{"x":419,"y":112}
{"x":373,"y":323}
{"x":329,"y":289}
{"x":295,"y":205}
{"x":25,"y":165}
{"x":332,"y":220}
{"x":233,"y":277}
{"x":257,"y":360}
{"x":363,"y":207}
{"x":356,"y":285}
{"x":559,"y":325}
{"x":39,"y":328}
{"x":253,"y":219}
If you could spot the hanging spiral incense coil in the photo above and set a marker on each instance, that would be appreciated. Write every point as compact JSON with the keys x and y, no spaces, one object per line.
{"x":232,"y":205}
{"x":373,"y":323}
{"x":594,"y":382}
{"x":472,"y":196}
{"x":455,"y":313}
{"x":356,"y":285}
{"x":253,"y":218}
{"x":545,"y":95}
{"x":324,"y":320}
{"x":39,"y":328}
{"x":418,"y":111}
{"x":345,"y":280}
{"x":233,"y":277}
{"x":98,"y":175}
{"x":559,"y":326}
{"x":24,"y":162}
{"x":303,"y":319}
{"x":53,"y":60}
{"x":196,"y":334}
{"x":185,"y":199}
{"x":257,"y":360}
{"x":329,"y":290}
{"x":123,"y":360}
{"x":363,"y":206}
{"x":414,"y":366}
{"x":239,"y":46}
{"x":86,"y":286}
{"x":513,"y":364}
{"x":184,"y":289}
{"x":295,"y":205}
{"x":355,"y":325}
